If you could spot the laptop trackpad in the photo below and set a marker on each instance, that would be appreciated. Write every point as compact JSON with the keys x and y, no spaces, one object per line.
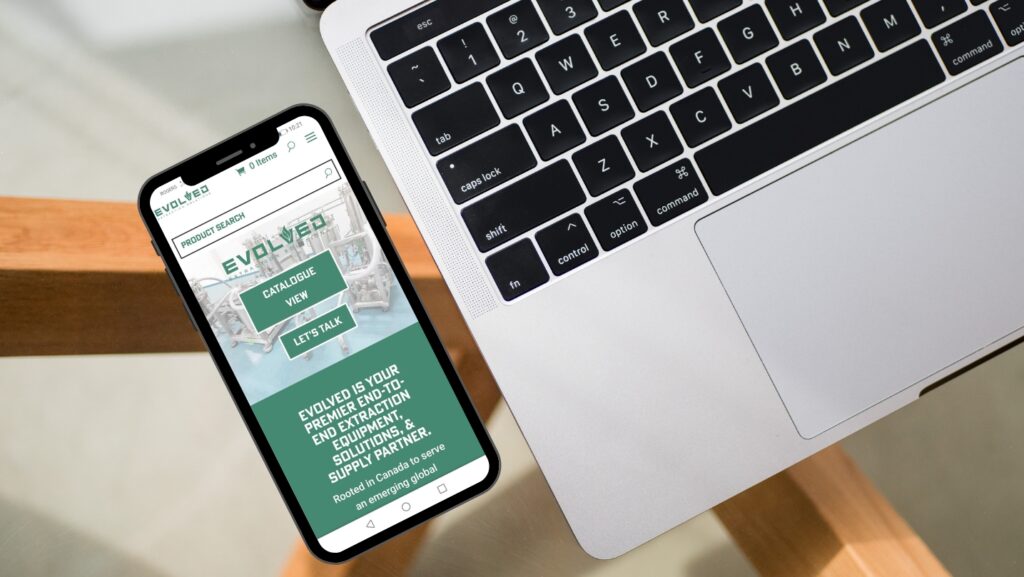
{"x":885,"y":262}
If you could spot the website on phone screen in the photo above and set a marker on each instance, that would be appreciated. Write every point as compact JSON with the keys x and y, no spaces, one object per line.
{"x":319,"y":334}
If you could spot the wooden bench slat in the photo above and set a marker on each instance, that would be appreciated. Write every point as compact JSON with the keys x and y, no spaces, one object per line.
{"x":80,"y":277}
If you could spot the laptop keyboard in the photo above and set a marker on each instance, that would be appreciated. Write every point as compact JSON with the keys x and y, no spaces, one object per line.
{"x":566,"y":128}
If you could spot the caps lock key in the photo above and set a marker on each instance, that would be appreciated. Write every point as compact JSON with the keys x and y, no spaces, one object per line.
{"x":495,"y":159}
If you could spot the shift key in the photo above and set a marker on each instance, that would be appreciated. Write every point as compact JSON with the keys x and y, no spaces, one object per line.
{"x":524,"y":204}
{"x":494,"y":160}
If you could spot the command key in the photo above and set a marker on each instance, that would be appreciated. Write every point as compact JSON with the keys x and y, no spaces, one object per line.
{"x":966,"y":43}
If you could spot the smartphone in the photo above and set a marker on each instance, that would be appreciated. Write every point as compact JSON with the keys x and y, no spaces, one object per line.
{"x":287,"y":272}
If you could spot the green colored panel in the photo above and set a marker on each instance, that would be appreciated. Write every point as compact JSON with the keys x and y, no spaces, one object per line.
{"x":293,"y":291}
{"x":318,"y":331}
{"x":360,"y":433}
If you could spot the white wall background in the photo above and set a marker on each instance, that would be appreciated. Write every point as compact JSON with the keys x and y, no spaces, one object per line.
{"x":139,"y":465}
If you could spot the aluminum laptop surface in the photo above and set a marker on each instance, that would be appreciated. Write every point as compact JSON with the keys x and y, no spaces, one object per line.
{"x":658,"y":376}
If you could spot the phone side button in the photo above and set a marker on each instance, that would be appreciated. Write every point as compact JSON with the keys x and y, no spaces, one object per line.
{"x":181,"y":300}
{"x":155,"y":249}
{"x":190,"y":319}
{"x":373,"y":203}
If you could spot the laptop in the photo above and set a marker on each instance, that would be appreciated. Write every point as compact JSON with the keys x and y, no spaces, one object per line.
{"x":698,"y":241}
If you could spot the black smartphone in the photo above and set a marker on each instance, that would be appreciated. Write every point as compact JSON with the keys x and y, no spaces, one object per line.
{"x":286,"y":270}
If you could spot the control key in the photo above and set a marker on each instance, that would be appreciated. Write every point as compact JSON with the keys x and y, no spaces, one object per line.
{"x":566,"y":244}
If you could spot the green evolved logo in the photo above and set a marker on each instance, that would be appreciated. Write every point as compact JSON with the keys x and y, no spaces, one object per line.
{"x":180,"y":201}
{"x":261,"y":250}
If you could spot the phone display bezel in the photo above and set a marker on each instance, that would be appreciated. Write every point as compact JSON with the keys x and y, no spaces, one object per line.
{"x":252,"y":141}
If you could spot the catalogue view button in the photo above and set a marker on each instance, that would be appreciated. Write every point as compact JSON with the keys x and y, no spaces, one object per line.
{"x":318,"y":331}
{"x":292,"y":291}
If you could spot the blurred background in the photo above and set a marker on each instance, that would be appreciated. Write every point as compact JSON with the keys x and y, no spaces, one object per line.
{"x":139,"y":465}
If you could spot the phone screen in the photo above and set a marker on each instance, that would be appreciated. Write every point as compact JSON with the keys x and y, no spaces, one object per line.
{"x":322,"y":339}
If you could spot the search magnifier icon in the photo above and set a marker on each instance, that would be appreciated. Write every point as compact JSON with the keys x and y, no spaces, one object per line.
{"x":328,"y":172}
{"x":291,"y":145}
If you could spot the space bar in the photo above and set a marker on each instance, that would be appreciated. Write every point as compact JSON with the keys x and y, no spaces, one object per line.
{"x":825,"y":114}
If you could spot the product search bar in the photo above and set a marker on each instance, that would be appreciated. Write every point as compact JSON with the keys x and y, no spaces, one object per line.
{"x":256,"y":209}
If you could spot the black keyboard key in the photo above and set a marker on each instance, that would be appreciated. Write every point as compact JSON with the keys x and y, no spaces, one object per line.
{"x":468,"y":52}
{"x":652,"y":81}
{"x":603,"y":105}
{"x":1009,"y":16}
{"x":700,"y":117}
{"x":455,"y":118}
{"x":422,"y":24}
{"x":615,"y":220}
{"x":566,"y":244}
{"x":967,"y":42}
{"x":566,"y":64}
{"x":611,"y":4}
{"x":819,"y":116}
{"x":837,"y":7}
{"x":603,"y":165}
{"x":890,"y":23}
{"x":554,"y":129}
{"x":796,"y":69}
{"x":517,"y":270}
{"x":663,"y":20}
{"x":419,"y":77}
{"x":495,"y":159}
{"x":651,"y":141}
{"x":564,"y":15}
{"x":748,"y":93}
{"x":748,"y":34}
{"x":843,"y":45}
{"x":670,"y":192}
{"x":517,"y":29}
{"x":794,"y":17}
{"x":517,"y":88}
{"x":507,"y":213}
{"x":700,"y":57}
{"x":615,"y":40}
{"x":935,"y":12}
{"x":711,"y":9}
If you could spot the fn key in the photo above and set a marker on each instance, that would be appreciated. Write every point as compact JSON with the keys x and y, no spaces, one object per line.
{"x":517,"y":270}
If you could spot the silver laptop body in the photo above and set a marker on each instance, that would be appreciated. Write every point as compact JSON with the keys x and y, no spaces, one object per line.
{"x":733,"y":307}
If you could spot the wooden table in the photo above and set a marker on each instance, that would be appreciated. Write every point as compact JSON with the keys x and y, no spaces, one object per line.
{"x":65,"y":259}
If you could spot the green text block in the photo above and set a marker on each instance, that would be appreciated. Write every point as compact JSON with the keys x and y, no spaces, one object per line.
{"x":293,"y":291}
{"x":318,"y":331}
{"x":368,"y":430}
